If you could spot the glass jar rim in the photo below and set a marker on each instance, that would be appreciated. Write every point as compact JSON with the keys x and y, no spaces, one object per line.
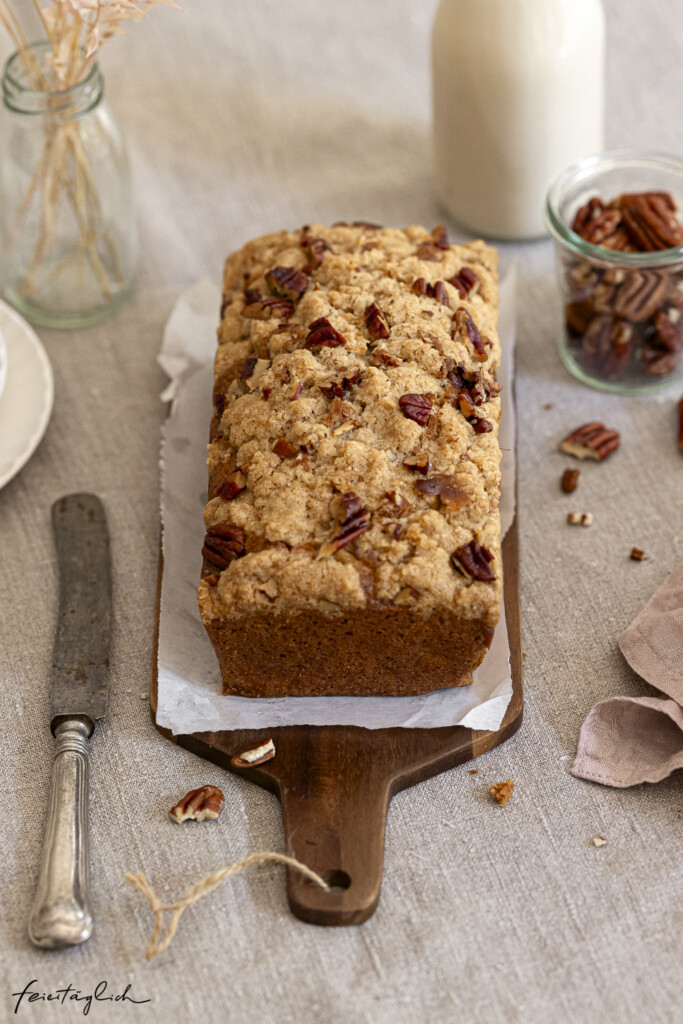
{"x":586,"y":167}
{"x":88,"y":89}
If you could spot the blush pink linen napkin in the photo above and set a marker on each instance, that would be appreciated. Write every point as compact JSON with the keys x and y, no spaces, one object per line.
{"x":627,"y":740}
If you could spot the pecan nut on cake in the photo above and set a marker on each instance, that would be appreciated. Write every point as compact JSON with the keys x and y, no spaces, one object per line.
{"x":352,"y":531}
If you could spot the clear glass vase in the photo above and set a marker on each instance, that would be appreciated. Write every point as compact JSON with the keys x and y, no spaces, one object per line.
{"x":67,"y":229}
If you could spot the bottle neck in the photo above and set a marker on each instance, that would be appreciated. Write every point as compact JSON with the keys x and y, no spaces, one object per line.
{"x":27,"y":86}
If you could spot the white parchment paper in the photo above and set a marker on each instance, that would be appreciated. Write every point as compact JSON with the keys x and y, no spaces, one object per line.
{"x":189,"y":691}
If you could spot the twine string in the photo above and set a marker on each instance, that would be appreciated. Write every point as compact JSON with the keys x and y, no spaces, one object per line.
{"x":158,"y":942}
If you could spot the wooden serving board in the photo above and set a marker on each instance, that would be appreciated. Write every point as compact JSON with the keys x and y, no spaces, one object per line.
{"x":335,"y":783}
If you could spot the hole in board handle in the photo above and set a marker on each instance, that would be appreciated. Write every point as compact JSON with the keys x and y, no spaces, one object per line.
{"x":337,"y":879}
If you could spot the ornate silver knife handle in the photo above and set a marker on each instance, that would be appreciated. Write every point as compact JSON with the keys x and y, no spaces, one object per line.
{"x":61,"y":909}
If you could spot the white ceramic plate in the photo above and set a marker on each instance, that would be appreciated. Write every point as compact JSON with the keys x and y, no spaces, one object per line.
{"x":3,"y":362}
{"x":26,"y":402}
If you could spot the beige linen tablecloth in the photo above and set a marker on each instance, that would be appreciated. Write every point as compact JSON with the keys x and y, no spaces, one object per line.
{"x":242,"y":117}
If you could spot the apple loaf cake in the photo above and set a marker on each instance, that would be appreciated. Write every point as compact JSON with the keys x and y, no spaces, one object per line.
{"x":352,"y":531}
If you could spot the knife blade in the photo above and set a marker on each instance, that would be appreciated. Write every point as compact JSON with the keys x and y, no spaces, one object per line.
{"x":60,"y":915}
{"x":80,"y":661}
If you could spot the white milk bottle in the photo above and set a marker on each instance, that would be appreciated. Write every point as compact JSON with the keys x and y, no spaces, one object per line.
{"x":518,"y":94}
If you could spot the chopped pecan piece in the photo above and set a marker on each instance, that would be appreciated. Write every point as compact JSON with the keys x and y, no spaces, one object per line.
{"x":297,"y":332}
{"x":223,"y":543}
{"x":441,"y":293}
{"x":315,"y":249}
{"x":459,"y":376}
{"x":395,"y":505}
{"x":580,"y":519}
{"x":570,"y":480}
{"x":322,"y":333}
{"x":219,"y":403}
{"x":444,"y":486}
{"x":417,"y":407}
{"x":340,"y":412}
{"x":380,"y":357}
{"x":466,"y":327}
{"x":637,"y":555}
{"x":591,"y":441}
{"x":269,"y":589}
{"x":465,"y":403}
{"x":502,"y":791}
{"x":344,"y":428}
{"x":436,"y":291}
{"x":432,"y":427}
{"x":418,"y":462}
{"x":256,"y":542}
{"x":429,"y":252}
{"x":253,"y":370}
{"x":375,"y":322}
{"x":228,"y":375}
{"x":261,"y":308}
{"x":466,"y":281}
{"x":296,"y":392}
{"x":406,"y":596}
{"x":232,"y":485}
{"x":466,"y":399}
{"x":287,"y":282}
{"x":352,"y":517}
{"x":472,"y":561}
{"x":434,"y":249}
{"x":199,"y":805}
{"x":440,"y":237}
{"x":257,"y":755}
{"x":336,"y":387}
{"x":285,"y":450}
{"x":248,"y":368}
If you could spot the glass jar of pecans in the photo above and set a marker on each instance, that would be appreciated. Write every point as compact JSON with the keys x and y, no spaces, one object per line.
{"x":619,"y":250}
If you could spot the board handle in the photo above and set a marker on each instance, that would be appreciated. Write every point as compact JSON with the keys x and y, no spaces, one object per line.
{"x":338,"y":831}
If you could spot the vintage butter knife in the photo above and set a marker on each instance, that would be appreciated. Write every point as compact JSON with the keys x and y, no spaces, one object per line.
{"x":80,"y":667}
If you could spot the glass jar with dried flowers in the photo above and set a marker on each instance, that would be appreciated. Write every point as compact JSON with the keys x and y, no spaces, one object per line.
{"x":67,"y":228}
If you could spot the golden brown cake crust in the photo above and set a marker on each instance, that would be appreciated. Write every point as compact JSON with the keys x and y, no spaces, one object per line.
{"x":353,"y":535}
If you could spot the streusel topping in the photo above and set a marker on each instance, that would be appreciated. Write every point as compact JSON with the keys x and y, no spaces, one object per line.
{"x":354,"y":455}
